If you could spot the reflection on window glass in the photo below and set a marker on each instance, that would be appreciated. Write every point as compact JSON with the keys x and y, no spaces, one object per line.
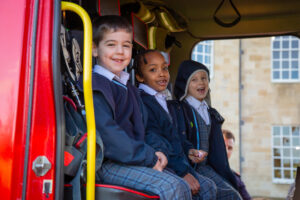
{"x":286,"y":152}
{"x":277,"y":162}
{"x":286,"y":163}
{"x":287,"y":174}
{"x":285,"y":141}
{"x":277,"y":173}
{"x":296,"y":163}
{"x":277,"y":152}
{"x":295,"y":131}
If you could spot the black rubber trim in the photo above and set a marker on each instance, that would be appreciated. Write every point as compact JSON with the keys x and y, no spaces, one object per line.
{"x":29,"y":114}
{"x":58,"y":100}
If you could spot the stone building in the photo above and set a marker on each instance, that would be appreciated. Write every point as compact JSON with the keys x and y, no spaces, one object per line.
{"x":255,"y":84}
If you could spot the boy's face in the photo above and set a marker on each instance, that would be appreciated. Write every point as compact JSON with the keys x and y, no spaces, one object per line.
{"x":229,"y":146}
{"x":198,"y":86}
{"x":114,"y":51}
{"x":155,"y":72}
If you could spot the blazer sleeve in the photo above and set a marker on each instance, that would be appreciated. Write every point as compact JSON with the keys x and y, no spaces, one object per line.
{"x":118,"y":146}
{"x":177,"y":113}
{"x":154,"y":135}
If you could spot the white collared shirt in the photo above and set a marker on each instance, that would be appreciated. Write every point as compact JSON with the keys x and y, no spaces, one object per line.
{"x":200,"y":106}
{"x":124,"y":76}
{"x":159,"y":96}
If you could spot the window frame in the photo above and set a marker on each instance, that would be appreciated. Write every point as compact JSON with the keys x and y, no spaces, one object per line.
{"x":282,"y":157}
{"x":211,"y":55}
{"x":280,"y":60}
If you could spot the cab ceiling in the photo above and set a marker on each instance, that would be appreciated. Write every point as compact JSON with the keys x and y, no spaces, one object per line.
{"x":258,"y":17}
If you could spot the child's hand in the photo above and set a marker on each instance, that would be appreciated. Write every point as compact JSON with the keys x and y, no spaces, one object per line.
{"x":161,"y":162}
{"x":162,"y":158}
{"x":157,"y":166}
{"x":193,"y":183}
{"x":197,"y":156}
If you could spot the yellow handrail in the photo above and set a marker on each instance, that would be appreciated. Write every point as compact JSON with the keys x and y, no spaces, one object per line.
{"x":88,"y":95}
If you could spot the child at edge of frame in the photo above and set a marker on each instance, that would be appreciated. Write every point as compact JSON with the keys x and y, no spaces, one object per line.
{"x":203,"y":126}
{"x":120,"y":117}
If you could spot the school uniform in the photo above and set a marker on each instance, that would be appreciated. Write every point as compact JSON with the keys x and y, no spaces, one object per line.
{"x":241,"y":187}
{"x":161,"y":124}
{"x":120,"y":117}
{"x":203,"y":129}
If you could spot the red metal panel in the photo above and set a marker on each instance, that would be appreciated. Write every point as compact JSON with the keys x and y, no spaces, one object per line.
{"x":15,"y":39}
{"x":15,"y":55}
{"x":42,"y":141}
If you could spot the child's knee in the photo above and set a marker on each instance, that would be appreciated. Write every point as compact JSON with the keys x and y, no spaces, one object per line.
{"x":182,"y":190}
{"x":182,"y":186}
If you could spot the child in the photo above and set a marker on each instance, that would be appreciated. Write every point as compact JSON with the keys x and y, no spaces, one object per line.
{"x":203,"y":126}
{"x":229,"y":140}
{"x":128,"y":161}
{"x":153,"y":75}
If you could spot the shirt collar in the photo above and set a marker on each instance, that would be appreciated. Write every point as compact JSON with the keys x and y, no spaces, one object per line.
{"x":195,"y":102}
{"x":124,"y":76}
{"x":147,"y":89}
{"x":151,"y":91}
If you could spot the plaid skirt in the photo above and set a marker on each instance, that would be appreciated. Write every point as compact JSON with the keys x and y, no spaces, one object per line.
{"x":224,"y":190}
{"x":208,"y":189}
{"x":165,"y":184}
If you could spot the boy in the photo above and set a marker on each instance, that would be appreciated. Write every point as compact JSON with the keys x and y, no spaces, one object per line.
{"x":129,"y":161}
{"x":229,"y":140}
{"x":153,"y":76}
{"x":203,"y":126}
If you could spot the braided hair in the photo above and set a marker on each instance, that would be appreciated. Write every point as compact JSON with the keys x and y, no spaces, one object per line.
{"x":140,"y":60}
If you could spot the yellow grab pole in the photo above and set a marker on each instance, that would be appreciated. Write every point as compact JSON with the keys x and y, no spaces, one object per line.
{"x":88,"y":95}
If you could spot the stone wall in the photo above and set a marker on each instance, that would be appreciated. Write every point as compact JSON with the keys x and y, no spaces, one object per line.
{"x":263,"y":104}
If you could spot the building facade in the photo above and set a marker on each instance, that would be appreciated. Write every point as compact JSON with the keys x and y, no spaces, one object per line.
{"x":255,"y":85}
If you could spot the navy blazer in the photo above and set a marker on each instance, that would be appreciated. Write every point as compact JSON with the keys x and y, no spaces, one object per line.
{"x":161,"y":133}
{"x":217,"y":156}
{"x":118,"y":145}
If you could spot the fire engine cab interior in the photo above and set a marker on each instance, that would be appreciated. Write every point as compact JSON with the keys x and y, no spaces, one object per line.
{"x":173,"y":27}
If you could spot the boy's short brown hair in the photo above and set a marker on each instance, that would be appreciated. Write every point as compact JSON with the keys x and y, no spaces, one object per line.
{"x":228,"y":134}
{"x":103,"y":24}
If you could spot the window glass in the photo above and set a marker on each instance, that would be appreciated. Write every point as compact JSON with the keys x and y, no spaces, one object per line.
{"x":286,"y":152}
{"x":203,"y":52}
{"x":285,"y":57}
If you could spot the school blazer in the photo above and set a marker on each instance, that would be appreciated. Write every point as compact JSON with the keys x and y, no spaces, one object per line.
{"x":118,"y":146}
{"x":217,"y":156}
{"x":161,"y":131}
